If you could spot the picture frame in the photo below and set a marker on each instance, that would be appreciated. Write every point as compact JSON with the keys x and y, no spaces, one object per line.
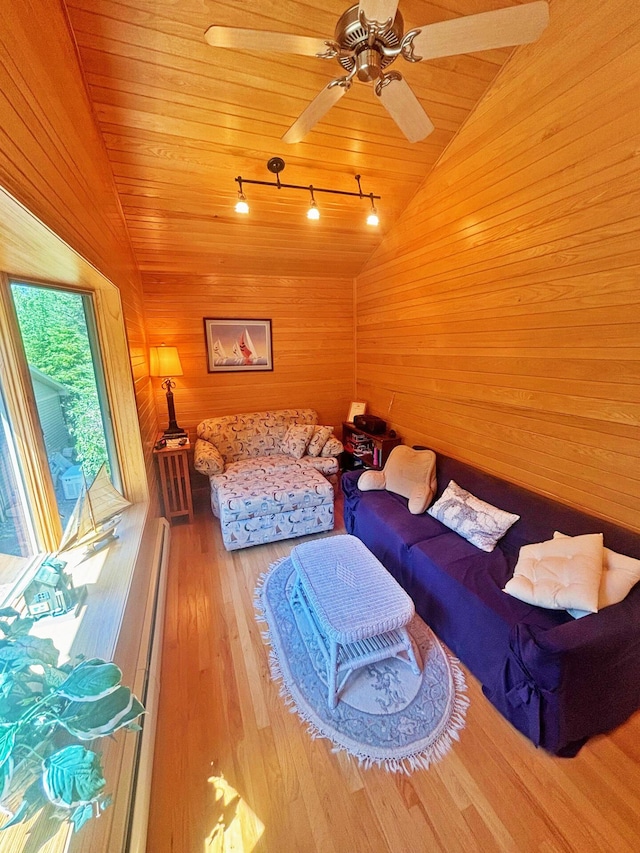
{"x":235,"y":345}
{"x":356,"y":409}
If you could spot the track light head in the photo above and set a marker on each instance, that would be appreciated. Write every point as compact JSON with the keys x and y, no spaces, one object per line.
{"x":372,"y":218}
{"x":313,"y":212}
{"x":242,"y":205}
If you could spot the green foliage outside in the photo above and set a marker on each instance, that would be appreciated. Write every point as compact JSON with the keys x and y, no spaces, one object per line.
{"x":47,"y":712}
{"x":56,"y":341}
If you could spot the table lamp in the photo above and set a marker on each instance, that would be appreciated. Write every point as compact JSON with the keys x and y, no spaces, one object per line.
{"x":165,"y":361}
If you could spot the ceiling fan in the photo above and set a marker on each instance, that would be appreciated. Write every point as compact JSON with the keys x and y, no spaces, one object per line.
{"x":370,"y":36}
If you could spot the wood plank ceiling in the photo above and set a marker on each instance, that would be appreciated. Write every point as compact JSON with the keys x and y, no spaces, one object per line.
{"x":181,"y":120}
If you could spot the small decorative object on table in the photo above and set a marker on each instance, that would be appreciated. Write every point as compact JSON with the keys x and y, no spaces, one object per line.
{"x":95,"y":515}
{"x":356,"y":409}
{"x":51,"y":592}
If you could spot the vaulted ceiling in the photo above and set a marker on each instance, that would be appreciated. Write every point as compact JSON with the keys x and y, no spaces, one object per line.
{"x":181,"y":120}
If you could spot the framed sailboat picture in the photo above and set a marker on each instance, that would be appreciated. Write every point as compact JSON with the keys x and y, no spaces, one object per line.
{"x":234,"y":345}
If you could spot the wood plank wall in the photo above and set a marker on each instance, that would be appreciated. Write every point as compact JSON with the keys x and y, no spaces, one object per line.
{"x":53,"y":160}
{"x":499,"y":322}
{"x":312,"y":325}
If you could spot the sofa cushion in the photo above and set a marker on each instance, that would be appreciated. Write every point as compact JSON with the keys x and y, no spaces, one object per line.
{"x":479,"y":522}
{"x":619,"y":575}
{"x":295,"y":440}
{"x":321,"y":435}
{"x":560,"y":573}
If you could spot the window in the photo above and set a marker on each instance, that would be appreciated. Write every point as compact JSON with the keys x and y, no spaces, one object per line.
{"x":64,"y":360}
{"x":59,"y":337}
{"x":17,"y":536}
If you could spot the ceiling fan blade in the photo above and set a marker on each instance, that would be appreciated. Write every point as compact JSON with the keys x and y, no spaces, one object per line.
{"x":500,"y":28}
{"x":405,"y":109}
{"x":318,"y":107}
{"x":379,"y":10}
{"x":240,"y":39}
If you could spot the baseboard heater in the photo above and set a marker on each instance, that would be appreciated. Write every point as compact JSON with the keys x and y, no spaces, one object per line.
{"x":147,"y":688}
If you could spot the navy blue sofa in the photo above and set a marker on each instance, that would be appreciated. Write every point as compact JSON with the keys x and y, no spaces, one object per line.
{"x":557,"y":680}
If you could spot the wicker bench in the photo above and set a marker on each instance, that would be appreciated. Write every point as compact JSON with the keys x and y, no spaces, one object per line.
{"x":357,"y":611}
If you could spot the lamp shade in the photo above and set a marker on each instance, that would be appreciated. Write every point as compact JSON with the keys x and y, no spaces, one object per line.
{"x":164,"y":361}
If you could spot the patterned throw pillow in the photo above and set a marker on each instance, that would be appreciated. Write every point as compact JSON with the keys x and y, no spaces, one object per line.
{"x":333,"y":447}
{"x":318,"y":439}
{"x":296,"y":439}
{"x":478,"y":522}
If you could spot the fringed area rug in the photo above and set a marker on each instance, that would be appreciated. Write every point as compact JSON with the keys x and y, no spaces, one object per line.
{"x":387,"y":715}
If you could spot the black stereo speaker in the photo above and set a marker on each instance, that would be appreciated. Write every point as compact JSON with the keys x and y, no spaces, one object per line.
{"x":371,"y":424}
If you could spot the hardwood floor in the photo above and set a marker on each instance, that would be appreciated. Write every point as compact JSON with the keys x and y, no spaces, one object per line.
{"x":235,"y":771}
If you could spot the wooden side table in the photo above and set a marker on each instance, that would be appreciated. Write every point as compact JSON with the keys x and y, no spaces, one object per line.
{"x":173,"y":462}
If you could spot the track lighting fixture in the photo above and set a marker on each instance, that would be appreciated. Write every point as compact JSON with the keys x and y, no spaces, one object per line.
{"x":275,"y":165}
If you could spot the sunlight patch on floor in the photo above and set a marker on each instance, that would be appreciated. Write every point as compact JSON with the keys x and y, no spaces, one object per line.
{"x":236,"y":829}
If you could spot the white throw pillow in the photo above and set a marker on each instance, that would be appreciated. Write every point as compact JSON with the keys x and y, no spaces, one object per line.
{"x":619,"y":575}
{"x":559,"y":574}
{"x":296,"y":439}
{"x":475,"y":520}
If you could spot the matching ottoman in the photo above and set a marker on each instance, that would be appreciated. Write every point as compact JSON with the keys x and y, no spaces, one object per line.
{"x":268,"y":505}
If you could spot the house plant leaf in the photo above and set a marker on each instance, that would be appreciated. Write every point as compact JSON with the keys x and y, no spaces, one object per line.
{"x":87,"y":720}
{"x":34,"y":649}
{"x":91,"y":680}
{"x":7,"y":742}
{"x":81,"y":815}
{"x":73,"y":776}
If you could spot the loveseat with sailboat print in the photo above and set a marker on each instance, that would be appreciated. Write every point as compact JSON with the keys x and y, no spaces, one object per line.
{"x":271,"y":474}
